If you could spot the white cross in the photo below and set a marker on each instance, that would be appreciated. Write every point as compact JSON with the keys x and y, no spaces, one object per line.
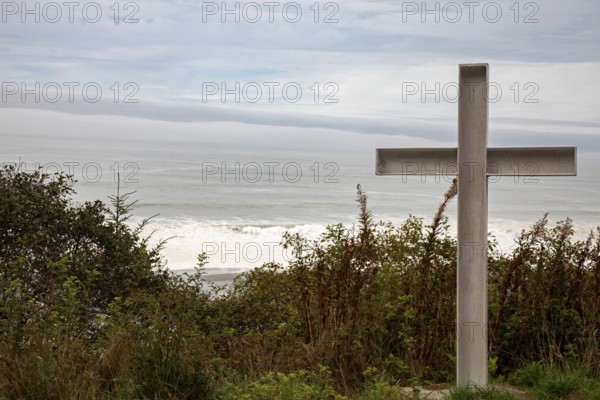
{"x":472,"y":159}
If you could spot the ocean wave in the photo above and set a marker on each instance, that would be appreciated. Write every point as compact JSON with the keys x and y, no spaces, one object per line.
{"x":232,"y":243}
{"x":241,"y":245}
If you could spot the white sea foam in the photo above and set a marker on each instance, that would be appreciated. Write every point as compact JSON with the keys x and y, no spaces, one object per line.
{"x":235,"y":246}
{"x":231,"y":245}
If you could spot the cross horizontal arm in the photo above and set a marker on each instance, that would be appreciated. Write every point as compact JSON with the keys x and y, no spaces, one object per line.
{"x":509,"y":161}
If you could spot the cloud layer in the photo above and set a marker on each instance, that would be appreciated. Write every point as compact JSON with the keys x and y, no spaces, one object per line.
{"x":356,"y":75}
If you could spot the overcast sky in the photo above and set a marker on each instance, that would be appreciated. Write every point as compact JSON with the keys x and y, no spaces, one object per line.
{"x":355,"y":68}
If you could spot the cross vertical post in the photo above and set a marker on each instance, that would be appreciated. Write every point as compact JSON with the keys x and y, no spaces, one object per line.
{"x":471,"y":285}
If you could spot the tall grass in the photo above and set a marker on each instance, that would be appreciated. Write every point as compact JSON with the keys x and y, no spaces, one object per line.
{"x":544,"y":382}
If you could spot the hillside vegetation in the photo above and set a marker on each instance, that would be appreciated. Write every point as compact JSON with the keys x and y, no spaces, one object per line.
{"x":88,"y":311}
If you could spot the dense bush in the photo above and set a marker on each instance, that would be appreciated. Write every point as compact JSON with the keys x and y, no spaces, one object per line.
{"x":44,"y":238}
{"x":546,"y":298}
{"x":87,"y":310}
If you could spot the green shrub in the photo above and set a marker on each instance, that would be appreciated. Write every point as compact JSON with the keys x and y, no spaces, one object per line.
{"x":300,"y":385}
{"x":384,"y":391}
{"x":529,"y":376}
{"x":87,"y":310}
{"x":478,"y":393}
{"x":547,"y":383}
{"x":559,"y":386}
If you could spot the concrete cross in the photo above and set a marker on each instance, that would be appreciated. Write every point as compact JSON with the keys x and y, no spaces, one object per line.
{"x":473,"y":162}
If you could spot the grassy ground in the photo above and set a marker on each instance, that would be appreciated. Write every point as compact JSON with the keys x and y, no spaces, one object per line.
{"x":532,"y":382}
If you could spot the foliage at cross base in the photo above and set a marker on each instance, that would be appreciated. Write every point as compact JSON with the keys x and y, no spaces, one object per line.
{"x":371,"y":296}
{"x":88,"y":311}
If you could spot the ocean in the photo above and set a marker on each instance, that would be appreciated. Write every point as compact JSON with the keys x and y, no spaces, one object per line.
{"x":235,"y":204}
